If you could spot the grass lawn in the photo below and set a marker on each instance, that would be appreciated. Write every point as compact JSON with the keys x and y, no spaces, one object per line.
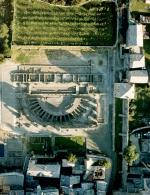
{"x":118,"y":176}
{"x":118,"y":125}
{"x":118,"y":142}
{"x":39,"y":23}
{"x":147,"y":51}
{"x":139,"y":6}
{"x":139,"y":110}
{"x":6,"y":16}
{"x":74,"y":144}
{"x":39,"y":144}
{"x":24,"y":56}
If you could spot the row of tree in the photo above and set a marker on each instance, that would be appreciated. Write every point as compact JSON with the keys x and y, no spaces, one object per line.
{"x":65,"y":2}
{"x":6,"y":15}
{"x":4,"y":42}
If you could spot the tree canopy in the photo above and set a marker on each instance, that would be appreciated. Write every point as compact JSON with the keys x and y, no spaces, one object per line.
{"x":72,"y":158}
{"x":131,"y":154}
{"x":105,"y":163}
{"x":4,"y":31}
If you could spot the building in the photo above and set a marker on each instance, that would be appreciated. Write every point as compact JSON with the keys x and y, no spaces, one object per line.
{"x":11,"y":153}
{"x":136,"y":60}
{"x":69,"y":181}
{"x":11,"y":183}
{"x":124,"y":90}
{"x":81,"y":177}
{"x":145,"y":19}
{"x":138,"y":76}
{"x":43,"y":170}
{"x":101,"y":187}
{"x":135,"y":35}
{"x":145,"y":145}
{"x":12,"y":178}
{"x":135,"y":183}
{"x":2,"y":152}
{"x":133,"y":57}
{"x":127,"y":193}
{"x":147,"y":1}
{"x":86,"y":188}
{"x":49,"y":191}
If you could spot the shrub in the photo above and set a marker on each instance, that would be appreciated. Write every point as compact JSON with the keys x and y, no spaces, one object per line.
{"x":1,"y":58}
{"x":72,"y":158}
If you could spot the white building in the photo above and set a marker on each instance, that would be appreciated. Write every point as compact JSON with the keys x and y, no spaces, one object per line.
{"x":138,"y":76}
{"x":137,"y":61}
{"x":124,"y":90}
{"x":147,"y":1}
{"x":43,"y":170}
{"x":135,"y":35}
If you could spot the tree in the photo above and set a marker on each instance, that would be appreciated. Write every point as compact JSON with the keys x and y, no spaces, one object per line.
{"x":105,"y":163}
{"x":72,"y":158}
{"x":130,"y":154}
{"x":1,"y":57}
{"x":148,"y":28}
{"x":4,"y":31}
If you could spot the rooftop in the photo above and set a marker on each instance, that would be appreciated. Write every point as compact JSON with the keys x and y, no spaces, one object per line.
{"x":137,"y":61}
{"x":43,"y":170}
{"x":11,"y":179}
{"x":124,"y":90}
{"x":135,"y":35}
{"x":138,"y":76}
{"x":69,"y":181}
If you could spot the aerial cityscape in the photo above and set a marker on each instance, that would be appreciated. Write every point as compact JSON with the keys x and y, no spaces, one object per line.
{"x":74,"y":97}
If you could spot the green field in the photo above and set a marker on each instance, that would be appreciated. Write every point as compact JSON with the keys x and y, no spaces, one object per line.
{"x":118,"y":142}
{"x":139,"y":6}
{"x":40,"y":23}
{"x":39,"y":145}
{"x":74,"y":144}
{"x":118,"y":124}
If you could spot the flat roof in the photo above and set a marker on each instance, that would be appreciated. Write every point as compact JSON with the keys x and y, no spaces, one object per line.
{"x":43,"y":170}
{"x":138,"y":76}
{"x":124,"y":90}
{"x":12,"y":178}
{"x":137,"y":60}
{"x":69,"y":180}
{"x":135,"y":35}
